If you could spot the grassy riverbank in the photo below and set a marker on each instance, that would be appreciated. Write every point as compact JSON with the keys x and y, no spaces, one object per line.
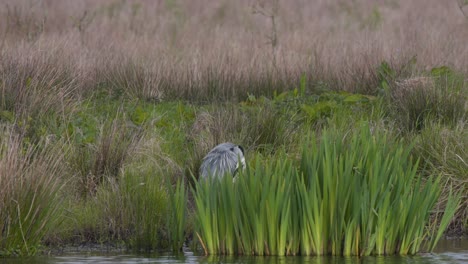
{"x":106,"y":106}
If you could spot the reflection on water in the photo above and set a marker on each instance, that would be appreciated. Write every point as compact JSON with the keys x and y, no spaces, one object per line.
{"x":448,"y":251}
{"x":452,"y":245}
{"x":425,"y":259}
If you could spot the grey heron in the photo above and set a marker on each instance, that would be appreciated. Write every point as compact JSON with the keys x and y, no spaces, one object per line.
{"x":224,"y":158}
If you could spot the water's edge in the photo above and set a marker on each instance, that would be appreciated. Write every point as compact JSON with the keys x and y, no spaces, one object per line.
{"x":448,"y":250}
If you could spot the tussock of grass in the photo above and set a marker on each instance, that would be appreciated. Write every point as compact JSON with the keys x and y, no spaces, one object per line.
{"x":102,"y":161}
{"x":146,"y":201}
{"x":131,"y":211}
{"x":416,"y":101}
{"x":443,"y":151}
{"x":134,"y":207}
{"x":31,"y":180}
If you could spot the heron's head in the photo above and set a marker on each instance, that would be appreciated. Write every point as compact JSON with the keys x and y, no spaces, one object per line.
{"x":239,"y":151}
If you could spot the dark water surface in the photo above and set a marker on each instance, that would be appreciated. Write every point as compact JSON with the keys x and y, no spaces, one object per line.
{"x":448,"y":251}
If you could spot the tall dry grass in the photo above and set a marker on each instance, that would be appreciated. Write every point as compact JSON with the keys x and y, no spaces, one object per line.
{"x":222,"y":50}
{"x":35,"y":82}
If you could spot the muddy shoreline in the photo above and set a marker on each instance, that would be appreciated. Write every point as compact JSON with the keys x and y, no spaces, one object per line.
{"x":116,"y":248}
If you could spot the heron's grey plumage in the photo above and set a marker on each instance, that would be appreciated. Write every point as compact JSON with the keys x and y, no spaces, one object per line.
{"x":222,"y":159}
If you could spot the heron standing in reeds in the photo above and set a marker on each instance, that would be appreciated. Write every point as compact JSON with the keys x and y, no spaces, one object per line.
{"x":222,"y":159}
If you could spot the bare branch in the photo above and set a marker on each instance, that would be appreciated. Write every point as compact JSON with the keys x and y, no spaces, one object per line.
{"x":461,"y":4}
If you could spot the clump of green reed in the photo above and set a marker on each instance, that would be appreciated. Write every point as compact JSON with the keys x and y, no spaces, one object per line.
{"x":249,"y":216}
{"x":30,"y":180}
{"x":354,"y":193}
{"x":366,"y":195}
{"x":178,"y":196}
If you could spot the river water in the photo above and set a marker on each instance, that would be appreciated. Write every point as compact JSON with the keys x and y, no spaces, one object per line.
{"x":447,"y":251}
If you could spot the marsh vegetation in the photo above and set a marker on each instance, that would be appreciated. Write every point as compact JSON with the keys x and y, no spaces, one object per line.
{"x":354,"y":127}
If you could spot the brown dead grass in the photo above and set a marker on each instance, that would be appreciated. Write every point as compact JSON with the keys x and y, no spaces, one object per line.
{"x":221,"y":50}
